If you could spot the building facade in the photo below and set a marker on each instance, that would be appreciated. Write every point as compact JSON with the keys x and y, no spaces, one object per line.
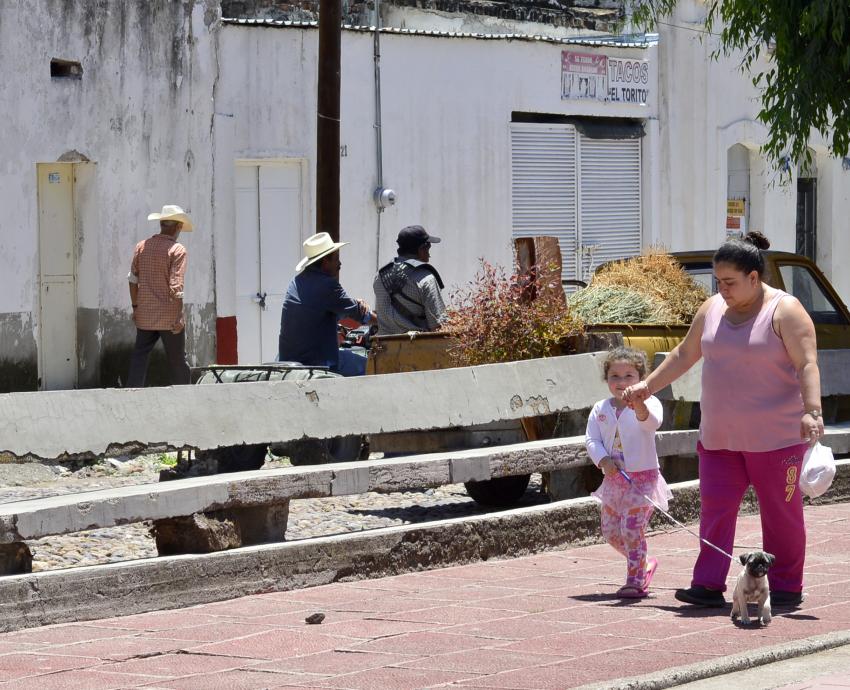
{"x":611,"y":143}
{"x":110,"y":117}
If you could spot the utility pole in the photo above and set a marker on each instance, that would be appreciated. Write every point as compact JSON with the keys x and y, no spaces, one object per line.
{"x":328,"y":112}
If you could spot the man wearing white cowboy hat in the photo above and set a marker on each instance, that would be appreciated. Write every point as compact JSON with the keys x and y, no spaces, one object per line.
{"x":312,"y":308}
{"x":156,"y":294}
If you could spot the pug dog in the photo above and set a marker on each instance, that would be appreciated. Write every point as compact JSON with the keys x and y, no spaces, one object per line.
{"x":752,"y":587}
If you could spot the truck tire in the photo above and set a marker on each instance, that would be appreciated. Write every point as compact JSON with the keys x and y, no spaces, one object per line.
{"x":318,"y":452}
{"x":502,"y":492}
{"x":345,"y":448}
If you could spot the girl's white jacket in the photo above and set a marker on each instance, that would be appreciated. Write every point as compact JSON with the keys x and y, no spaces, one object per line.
{"x":638,"y":438}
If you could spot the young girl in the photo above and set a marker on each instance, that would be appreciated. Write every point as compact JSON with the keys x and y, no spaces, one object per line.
{"x":621,"y":436}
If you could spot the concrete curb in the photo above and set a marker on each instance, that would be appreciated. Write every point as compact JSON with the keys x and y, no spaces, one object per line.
{"x":672,"y":677}
{"x":117,"y":589}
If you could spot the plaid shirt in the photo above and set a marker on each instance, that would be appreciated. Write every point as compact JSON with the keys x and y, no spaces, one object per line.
{"x":159,"y":267}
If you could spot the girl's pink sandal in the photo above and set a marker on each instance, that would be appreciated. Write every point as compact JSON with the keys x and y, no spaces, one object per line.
{"x":651,"y":567}
{"x":631,"y":592}
{"x":635,"y":592}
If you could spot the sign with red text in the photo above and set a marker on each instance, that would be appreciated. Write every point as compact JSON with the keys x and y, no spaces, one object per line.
{"x":583,"y":76}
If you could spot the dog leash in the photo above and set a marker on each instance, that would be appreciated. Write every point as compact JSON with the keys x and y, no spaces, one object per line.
{"x":664,"y":512}
{"x":670,"y":517}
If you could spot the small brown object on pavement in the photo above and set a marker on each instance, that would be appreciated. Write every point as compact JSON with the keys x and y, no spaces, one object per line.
{"x":315,"y":618}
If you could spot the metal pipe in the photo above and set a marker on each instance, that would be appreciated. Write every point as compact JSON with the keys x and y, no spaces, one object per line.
{"x":379,"y":153}
{"x":328,"y":117}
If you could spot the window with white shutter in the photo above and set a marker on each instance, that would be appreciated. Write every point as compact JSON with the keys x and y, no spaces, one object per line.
{"x":584,"y":191}
{"x":543,"y":186}
{"x":609,"y":200}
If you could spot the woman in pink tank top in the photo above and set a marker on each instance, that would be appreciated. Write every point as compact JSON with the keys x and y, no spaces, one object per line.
{"x":760,"y":408}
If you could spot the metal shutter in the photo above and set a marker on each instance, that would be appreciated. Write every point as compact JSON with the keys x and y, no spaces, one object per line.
{"x":609,"y":200}
{"x":543,"y":186}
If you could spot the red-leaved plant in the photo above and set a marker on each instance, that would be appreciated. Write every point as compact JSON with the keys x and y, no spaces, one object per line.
{"x":501,"y":318}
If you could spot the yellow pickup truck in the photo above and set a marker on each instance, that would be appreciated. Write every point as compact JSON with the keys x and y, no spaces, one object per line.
{"x":793,"y":273}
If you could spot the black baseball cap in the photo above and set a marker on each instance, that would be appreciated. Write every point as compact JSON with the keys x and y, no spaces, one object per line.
{"x":414,"y":236}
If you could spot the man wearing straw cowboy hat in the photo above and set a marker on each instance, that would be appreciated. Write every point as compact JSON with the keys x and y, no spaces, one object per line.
{"x":156,"y":294}
{"x":313,"y":305}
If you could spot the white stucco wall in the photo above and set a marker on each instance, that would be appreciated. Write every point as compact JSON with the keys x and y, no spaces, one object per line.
{"x":446,"y":105}
{"x":141,"y":114}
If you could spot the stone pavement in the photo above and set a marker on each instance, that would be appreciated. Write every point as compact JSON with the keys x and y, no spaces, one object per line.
{"x":544,"y":621}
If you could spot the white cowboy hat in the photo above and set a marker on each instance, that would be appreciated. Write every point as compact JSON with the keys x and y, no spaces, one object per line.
{"x":171,"y":212}
{"x":316,"y":247}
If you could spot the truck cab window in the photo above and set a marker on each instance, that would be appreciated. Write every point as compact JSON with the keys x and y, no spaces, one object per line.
{"x":804,"y":285}
{"x":703,"y":274}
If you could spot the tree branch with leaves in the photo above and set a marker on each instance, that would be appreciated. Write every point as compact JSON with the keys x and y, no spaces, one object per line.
{"x":805,"y":84}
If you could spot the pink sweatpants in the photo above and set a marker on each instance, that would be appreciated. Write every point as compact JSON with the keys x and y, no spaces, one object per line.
{"x":724,"y":477}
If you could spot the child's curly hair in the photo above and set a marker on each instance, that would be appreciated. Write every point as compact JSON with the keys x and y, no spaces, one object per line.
{"x":637,"y":358}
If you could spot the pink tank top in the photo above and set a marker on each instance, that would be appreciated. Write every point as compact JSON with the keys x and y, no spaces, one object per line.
{"x":751,"y":397}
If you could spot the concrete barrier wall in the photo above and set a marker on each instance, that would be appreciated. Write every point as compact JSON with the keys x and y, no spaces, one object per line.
{"x":37,"y":518}
{"x":90,"y":423}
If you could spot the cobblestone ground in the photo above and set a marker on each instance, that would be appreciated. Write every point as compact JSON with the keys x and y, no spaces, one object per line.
{"x":307,"y":518}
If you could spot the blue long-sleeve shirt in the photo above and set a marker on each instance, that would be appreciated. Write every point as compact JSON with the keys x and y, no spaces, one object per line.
{"x":313,"y":305}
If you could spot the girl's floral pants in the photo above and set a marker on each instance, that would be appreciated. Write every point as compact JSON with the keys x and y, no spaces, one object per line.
{"x":625,"y":515}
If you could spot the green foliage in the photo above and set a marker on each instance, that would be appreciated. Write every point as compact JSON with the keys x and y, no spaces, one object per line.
{"x":495,"y":319}
{"x":166,"y":460}
{"x":805,"y":85}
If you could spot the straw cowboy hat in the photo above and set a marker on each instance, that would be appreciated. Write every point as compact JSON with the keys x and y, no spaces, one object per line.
{"x":317,"y":247}
{"x":171,"y":212}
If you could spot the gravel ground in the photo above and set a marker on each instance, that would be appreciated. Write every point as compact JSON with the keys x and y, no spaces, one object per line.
{"x":307,"y":517}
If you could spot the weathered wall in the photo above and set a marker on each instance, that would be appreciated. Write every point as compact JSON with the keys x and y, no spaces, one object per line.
{"x":446,"y":104}
{"x":706,"y":107}
{"x":141,"y":114}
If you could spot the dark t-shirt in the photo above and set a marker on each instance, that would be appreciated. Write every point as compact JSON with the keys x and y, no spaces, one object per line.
{"x":313,"y":305}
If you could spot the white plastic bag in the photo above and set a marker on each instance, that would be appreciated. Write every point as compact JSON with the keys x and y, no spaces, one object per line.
{"x":818,"y":471}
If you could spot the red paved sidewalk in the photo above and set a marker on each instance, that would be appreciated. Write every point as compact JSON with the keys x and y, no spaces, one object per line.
{"x":546,"y":621}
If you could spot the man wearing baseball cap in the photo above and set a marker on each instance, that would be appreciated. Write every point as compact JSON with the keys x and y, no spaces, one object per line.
{"x":407,"y":290}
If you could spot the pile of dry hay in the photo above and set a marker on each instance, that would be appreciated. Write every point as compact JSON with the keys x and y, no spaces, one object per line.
{"x":652,"y":288}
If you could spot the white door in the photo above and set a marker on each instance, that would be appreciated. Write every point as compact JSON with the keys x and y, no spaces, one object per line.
{"x":269,"y":232}
{"x":57,"y":282}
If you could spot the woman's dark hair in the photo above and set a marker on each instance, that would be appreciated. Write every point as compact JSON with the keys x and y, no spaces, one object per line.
{"x":745,"y":254}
